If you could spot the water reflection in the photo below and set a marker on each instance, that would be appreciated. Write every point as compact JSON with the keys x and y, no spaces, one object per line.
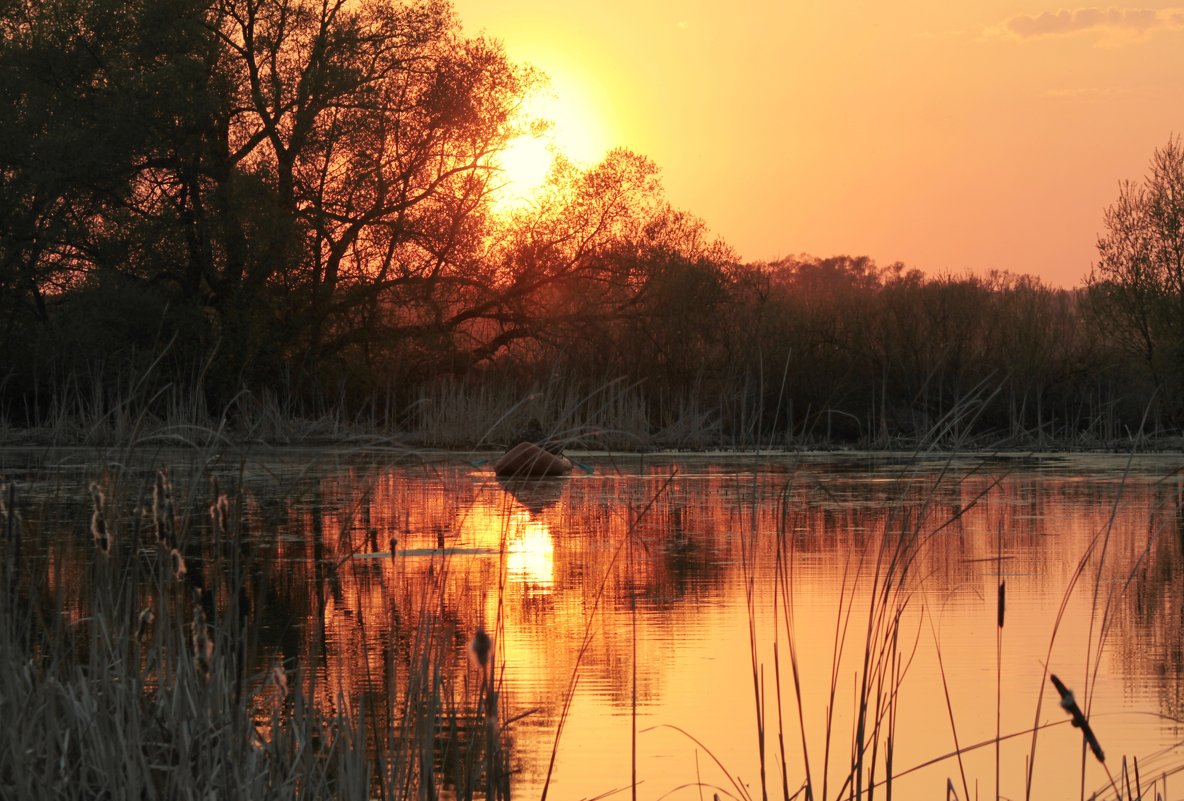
{"x":499,"y":522}
{"x":535,"y":495}
{"x":655,"y":591}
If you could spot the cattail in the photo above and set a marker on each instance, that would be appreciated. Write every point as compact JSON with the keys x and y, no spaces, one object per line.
{"x":440,"y":538}
{"x":98,"y":523}
{"x":179,"y":568}
{"x":147,"y":618}
{"x":162,"y":509}
{"x":203,"y":644}
{"x":220,"y":515}
{"x":1002,"y":603}
{"x":480,"y":646}
{"x":1069,"y":704}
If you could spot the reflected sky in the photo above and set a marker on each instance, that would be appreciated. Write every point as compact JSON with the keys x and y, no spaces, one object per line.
{"x":665,"y":586}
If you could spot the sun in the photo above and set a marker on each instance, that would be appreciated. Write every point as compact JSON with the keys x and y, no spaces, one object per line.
{"x":558,"y":122}
{"x":522,"y":169}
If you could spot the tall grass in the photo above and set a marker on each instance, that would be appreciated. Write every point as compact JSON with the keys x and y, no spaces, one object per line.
{"x":142,"y":678}
{"x":146,"y":672}
{"x":113,"y":406}
{"x":875,"y":637}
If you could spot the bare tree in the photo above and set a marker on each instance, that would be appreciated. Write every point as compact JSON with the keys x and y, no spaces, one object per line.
{"x":1136,"y":288}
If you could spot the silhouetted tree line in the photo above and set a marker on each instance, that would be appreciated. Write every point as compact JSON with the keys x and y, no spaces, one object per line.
{"x":839,"y":349}
{"x":295,"y":197}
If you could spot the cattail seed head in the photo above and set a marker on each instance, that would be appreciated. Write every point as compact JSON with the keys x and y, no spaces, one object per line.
{"x":1001,"y":604}
{"x":98,"y":529}
{"x":147,"y":618}
{"x":481,"y":646}
{"x":1068,"y":702}
{"x":220,"y":515}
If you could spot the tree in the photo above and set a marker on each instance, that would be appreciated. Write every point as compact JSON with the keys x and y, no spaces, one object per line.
{"x":289,"y":170}
{"x":1136,"y":288}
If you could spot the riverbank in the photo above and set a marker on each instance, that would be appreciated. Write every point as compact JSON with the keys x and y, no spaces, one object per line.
{"x":468,"y":427}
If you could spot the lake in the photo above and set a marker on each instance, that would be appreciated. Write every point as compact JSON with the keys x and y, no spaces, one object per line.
{"x":677,"y":612}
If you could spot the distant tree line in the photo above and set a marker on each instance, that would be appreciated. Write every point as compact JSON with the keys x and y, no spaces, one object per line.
{"x":296,"y":197}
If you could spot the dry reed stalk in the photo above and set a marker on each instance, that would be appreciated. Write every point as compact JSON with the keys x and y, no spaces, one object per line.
{"x":784,"y":567}
{"x":1000,"y":609}
{"x":569,"y":695}
{"x":945,"y":685}
{"x":13,"y":538}
{"x":1098,"y":544}
{"x":748,"y":547}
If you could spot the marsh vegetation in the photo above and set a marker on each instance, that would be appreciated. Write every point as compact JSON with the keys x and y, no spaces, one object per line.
{"x":818,"y":627}
{"x":239,"y":211}
{"x":230,"y":226}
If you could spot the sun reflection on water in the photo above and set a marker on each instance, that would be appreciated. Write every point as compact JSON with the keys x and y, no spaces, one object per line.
{"x":530,"y":553}
{"x":664,"y":627}
{"x":500,"y":523}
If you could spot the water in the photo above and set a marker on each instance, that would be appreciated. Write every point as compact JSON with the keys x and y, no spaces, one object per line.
{"x":663,"y":586}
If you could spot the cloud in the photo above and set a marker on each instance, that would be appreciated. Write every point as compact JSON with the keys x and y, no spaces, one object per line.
{"x":1127,"y":21}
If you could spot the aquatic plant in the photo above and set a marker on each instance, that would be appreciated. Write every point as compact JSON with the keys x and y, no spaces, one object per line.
{"x":152,"y":687}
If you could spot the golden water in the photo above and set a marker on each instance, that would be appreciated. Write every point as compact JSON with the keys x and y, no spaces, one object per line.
{"x":651,"y":583}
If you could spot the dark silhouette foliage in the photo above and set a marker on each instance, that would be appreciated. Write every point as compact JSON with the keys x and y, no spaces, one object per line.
{"x":295,"y":197}
{"x":1137,"y":285}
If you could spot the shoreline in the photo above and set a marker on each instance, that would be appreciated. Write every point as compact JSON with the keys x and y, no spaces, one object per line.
{"x":377,"y":443}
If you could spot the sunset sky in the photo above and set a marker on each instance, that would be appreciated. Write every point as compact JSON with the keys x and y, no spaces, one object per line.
{"x":952,"y":136}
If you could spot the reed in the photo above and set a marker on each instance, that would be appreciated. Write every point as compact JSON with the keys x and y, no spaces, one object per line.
{"x":173,"y":620}
{"x":875,"y":601}
{"x":736,"y":406}
{"x":152,"y":685}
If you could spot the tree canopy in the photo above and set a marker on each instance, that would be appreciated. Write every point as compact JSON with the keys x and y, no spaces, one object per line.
{"x":299,"y":194}
{"x":1137,"y":284}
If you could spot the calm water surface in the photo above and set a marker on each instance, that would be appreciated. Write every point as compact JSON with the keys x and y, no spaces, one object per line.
{"x":665,"y":585}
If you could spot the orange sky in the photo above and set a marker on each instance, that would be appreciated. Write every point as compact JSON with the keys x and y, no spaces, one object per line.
{"x":952,"y":136}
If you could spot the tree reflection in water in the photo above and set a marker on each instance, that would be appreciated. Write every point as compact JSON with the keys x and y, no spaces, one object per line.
{"x":527,"y":561}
